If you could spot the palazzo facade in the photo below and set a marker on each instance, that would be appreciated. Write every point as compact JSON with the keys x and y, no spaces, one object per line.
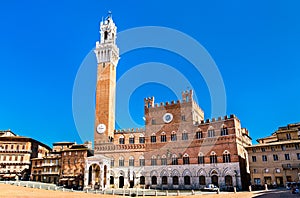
{"x":177,"y":149}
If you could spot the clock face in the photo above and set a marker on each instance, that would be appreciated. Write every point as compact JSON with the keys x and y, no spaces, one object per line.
{"x":101,"y":128}
{"x":168,"y":117}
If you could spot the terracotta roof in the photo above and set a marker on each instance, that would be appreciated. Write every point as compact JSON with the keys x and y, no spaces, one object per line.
{"x":275,"y":143}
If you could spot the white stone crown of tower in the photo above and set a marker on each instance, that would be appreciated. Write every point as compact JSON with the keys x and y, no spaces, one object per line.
{"x":106,"y":50}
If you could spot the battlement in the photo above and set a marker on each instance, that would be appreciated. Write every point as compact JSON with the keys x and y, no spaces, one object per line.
{"x":130,"y":130}
{"x":217,"y":119}
{"x":187,"y":96}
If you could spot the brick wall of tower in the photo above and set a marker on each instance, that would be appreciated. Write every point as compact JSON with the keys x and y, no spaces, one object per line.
{"x":105,"y":101}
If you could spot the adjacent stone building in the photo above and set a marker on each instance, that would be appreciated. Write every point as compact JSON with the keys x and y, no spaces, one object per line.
{"x":16,"y":153}
{"x":63,"y":165}
{"x":73,"y":161}
{"x":275,"y":160}
{"x":177,"y":149}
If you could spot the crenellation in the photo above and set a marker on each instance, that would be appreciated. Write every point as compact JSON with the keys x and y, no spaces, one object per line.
{"x":177,"y":124}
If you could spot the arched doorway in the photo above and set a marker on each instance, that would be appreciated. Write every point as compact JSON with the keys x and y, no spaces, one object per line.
{"x":142,"y":180}
{"x":164,"y":180}
{"x":228,"y":180}
{"x":214,"y":180}
{"x":94,"y":175}
{"x":154,"y":180}
{"x":111,"y":180}
{"x":202,"y":180}
{"x":97,"y":174}
{"x":187,"y":180}
{"x":121,"y":182}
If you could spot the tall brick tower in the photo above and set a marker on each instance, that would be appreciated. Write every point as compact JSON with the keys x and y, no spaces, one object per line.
{"x":107,"y":54}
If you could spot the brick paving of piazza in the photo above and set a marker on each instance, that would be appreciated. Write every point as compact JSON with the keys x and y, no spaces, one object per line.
{"x":7,"y":190}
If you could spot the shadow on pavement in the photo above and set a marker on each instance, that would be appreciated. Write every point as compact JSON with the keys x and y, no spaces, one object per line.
{"x":276,"y":194}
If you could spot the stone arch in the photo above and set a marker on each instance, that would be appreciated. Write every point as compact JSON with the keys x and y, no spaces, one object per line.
{"x":175,"y":173}
{"x":131,"y":136}
{"x":93,"y":173}
{"x":186,"y":172}
{"x":213,"y":153}
{"x":226,"y":152}
{"x":186,"y":155}
{"x":121,"y":173}
{"x":164,"y":173}
{"x":201,"y":172}
{"x":163,"y":133}
{"x":153,"y":173}
{"x":142,"y":157}
{"x":228,"y":171}
{"x":112,"y":173}
{"x":214,"y":172}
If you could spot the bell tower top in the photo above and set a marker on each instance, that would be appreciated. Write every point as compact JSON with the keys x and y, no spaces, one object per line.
{"x":108,"y":30}
{"x":106,"y":49}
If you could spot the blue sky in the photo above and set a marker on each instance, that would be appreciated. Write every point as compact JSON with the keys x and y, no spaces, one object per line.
{"x":255,"y":45}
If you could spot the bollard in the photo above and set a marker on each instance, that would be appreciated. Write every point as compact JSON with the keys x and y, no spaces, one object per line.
{"x":104,"y":191}
{"x":55,"y":188}
{"x":193,"y":192}
{"x":26,"y":185}
{"x":63,"y":189}
{"x":123,"y":192}
{"x":48,"y":187}
{"x":266,"y":186}
{"x":33,"y":186}
{"x":167,"y":193}
{"x":113,"y":192}
{"x":129,"y":192}
{"x":178,"y":192}
{"x":96,"y":191}
{"x":143,"y":193}
{"x":155,"y":193}
{"x":137,"y":192}
{"x":234,"y":189}
{"x":40,"y":187}
{"x":87,"y":191}
{"x":250,"y":188}
{"x":218,"y":191}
